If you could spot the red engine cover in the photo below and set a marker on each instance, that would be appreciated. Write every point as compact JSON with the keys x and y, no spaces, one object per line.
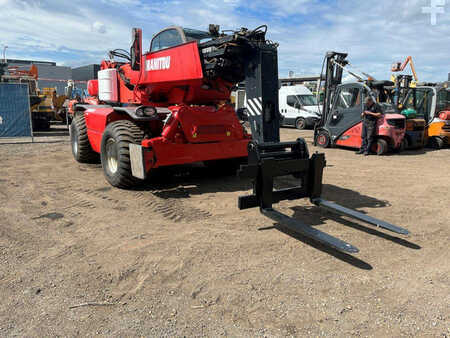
{"x":175,"y":75}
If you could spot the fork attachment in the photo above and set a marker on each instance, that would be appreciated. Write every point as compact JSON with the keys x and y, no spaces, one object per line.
{"x":267,"y":161}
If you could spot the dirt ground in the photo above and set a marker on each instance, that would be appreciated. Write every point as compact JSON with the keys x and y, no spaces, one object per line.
{"x":78,"y":257}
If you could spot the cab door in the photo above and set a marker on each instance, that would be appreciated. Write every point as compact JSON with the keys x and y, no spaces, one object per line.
{"x":292,"y":109}
{"x":346,"y":110}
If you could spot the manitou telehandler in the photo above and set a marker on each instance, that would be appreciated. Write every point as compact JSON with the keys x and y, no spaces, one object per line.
{"x":170,"y":106}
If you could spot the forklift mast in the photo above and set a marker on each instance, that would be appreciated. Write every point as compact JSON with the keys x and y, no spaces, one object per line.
{"x":402,"y":86}
{"x":333,"y":78}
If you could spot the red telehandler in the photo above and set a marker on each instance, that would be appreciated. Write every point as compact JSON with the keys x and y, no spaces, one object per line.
{"x":170,"y":106}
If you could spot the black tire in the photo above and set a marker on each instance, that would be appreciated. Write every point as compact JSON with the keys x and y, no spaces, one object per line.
{"x":323,"y":139}
{"x":436,"y":142}
{"x":79,"y":141}
{"x":300,"y":123}
{"x":381,"y":147}
{"x":115,"y":153}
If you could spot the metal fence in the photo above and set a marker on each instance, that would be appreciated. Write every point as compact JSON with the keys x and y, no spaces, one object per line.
{"x":15,"y":116}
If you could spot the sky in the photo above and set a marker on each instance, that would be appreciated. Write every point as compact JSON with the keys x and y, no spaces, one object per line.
{"x":374,"y":33}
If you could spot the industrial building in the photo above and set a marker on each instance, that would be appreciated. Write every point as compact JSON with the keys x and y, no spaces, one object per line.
{"x":54,"y":76}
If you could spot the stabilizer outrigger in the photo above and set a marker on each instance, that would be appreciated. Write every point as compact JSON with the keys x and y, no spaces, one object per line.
{"x":270,"y":160}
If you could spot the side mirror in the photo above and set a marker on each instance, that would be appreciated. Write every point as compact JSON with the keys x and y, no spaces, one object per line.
{"x":136,"y":49}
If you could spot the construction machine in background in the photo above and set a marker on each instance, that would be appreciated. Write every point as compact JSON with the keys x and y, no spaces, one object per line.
{"x":341,"y":123}
{"x":171,"y":106}
{"x":41,"y":101}
{"x":400,"y":67}
{"x":20,"y":75}
{"x":432,"y":102}
{"x":72,"y":95}
{"x":415,"y":123}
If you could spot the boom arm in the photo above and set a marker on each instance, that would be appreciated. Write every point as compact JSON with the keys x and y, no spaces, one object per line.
{"x":399,"y":67}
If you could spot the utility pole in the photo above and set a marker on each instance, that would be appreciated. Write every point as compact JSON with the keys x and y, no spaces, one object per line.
{"x":4,"y":53}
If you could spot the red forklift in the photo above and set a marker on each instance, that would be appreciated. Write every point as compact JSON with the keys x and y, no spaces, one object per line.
{"x":170,"y":105}
{"x":340,"y":123}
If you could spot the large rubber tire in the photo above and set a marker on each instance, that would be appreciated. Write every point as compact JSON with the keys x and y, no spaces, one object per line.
{"x":436,"y":142}
{"x":79,"y":141}
{"x":115,"y":153}
{"x":323,"y":139}
{"x":300,"y":123}
{"x":381,"y":147}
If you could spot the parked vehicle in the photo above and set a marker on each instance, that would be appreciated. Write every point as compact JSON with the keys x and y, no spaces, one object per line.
{"x":341,"y":124}
{"x":433,"y":103}
{"x":298,"y":107}
{"x":415,"y":123}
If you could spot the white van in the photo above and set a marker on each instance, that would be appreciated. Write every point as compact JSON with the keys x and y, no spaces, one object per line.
{"x":298,"y":106}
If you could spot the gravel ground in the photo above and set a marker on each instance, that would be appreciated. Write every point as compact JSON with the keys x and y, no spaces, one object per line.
{"x":177,"y":258}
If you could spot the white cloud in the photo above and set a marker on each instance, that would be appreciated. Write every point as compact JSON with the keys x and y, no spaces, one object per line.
{"x":98,"y":27}
{"x":374,"y":33}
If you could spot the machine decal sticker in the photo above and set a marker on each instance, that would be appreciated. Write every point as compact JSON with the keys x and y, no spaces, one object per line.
{"x":161,"y":63}
{"x":254,"y":106}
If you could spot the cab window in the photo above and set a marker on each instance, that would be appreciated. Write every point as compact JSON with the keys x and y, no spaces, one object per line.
{"x":443,"y":100}
{"x":155,"y":44}
{"x":166,"y":39}
{"x":348,"y":98}
{"x":424,"y":101}
{"x":196,"y":35}
{"x":292,"y":101}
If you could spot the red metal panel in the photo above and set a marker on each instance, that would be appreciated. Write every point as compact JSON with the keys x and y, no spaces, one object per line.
{"x":96,"y":121}
{"x":168,"y":153}
{"x":445,"y":115}
{"x":351,"y":138}
{"x":206,"y":124}
{"x":177,"y":64}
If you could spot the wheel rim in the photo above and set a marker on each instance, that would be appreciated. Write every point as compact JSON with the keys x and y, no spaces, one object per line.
{"x":379,"y":148}
{"x":300,"y":124}
{"x":111,"y":155}
{"x":321,"y":139}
